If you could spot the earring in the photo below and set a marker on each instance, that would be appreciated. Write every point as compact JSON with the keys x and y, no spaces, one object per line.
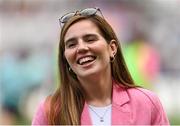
{"x":69,"y":69}
{"x":112,"y":59}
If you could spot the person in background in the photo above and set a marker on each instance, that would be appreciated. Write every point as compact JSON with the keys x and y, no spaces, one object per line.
{"x":95,"y":87}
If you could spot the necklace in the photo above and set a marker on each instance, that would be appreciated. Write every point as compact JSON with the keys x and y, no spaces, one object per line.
{"x":101,"y":117}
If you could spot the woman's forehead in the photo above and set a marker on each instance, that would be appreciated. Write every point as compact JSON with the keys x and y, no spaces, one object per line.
{"x":80,"y":28}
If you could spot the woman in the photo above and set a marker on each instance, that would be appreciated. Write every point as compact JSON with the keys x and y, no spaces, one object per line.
{"x":96,"y":87}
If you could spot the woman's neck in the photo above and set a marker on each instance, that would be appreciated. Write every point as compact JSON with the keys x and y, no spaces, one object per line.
{"x":98,"y":90}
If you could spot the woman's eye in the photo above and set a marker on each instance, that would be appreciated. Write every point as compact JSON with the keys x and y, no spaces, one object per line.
{"x":91,"y":39}
{"x":71,"y":45}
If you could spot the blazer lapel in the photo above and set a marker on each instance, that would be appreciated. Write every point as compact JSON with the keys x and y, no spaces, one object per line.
{"x":120,"y":108}
{"x":85,"y":117}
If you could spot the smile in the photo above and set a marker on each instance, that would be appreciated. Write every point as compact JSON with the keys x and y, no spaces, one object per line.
{"x":86,"y":59}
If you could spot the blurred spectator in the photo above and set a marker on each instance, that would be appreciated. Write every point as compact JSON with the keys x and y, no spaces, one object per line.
{"x":143,"y":62}
{"x":22,"y":69}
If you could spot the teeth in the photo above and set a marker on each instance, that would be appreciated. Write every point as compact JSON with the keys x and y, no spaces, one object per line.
{"x":85,"y":59}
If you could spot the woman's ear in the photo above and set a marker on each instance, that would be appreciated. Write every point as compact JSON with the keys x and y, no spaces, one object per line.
{"x":113,"y":48}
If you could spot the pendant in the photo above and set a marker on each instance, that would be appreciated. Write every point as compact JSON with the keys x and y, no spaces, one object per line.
{"x":101,"y":119}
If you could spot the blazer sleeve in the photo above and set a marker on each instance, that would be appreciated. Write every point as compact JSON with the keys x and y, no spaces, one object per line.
{"x":40,"y":117}
{"x":158,"y":115}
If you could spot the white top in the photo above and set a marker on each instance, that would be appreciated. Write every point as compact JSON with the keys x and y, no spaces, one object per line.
{"x":100,"y":115}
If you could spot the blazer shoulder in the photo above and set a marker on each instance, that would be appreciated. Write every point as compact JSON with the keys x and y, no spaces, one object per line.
{"x":145,"y":106}
{"x":149,"y":102}
{"x":145,"y":95}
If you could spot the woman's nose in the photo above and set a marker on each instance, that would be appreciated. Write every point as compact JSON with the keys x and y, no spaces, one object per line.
{"x":82,"y":47}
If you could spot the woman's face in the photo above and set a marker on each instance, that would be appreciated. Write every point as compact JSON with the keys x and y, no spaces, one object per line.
{"x":86,"y":51}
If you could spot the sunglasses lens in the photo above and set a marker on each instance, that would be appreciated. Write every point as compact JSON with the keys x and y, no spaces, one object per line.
{"x":85,"y":12}
{"x":66,"y":17}
{"x":88,"y":11}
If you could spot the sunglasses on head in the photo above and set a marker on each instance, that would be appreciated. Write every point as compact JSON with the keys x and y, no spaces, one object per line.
{"x":84,"y":12}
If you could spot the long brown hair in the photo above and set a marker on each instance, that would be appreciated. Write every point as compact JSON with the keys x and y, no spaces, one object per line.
{"x":66,"y":104}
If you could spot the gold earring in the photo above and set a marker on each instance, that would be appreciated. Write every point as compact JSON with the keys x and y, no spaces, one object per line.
{"x":70,"y":69}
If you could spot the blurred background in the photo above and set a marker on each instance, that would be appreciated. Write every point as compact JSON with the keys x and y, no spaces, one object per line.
{"x":149,"y":32}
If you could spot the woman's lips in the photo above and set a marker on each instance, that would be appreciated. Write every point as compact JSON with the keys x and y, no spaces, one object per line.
{"x":85,"y":59}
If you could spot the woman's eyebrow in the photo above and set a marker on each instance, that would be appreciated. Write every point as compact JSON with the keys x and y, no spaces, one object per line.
{"x":84,"y":37}
{"x":89,"y":35}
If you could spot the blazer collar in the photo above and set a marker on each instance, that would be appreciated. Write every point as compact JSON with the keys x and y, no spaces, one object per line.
{"x":85,"y":116}
{"x":121,"y":112}
{"x":120,"y":95}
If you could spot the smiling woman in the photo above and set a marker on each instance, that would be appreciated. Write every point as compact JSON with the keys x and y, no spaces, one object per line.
{"x":96,"y":87}
{"x":87,"y":52}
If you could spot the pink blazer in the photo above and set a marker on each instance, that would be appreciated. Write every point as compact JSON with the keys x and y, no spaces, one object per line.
{"x":134,"y":106}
